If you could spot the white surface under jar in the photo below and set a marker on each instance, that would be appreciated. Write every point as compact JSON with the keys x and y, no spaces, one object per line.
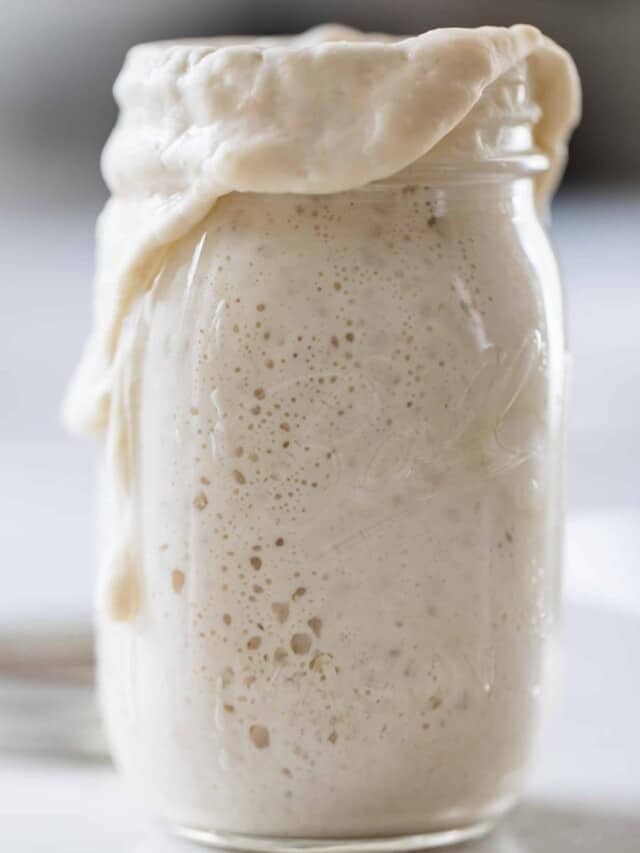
{"x":332,"y":504}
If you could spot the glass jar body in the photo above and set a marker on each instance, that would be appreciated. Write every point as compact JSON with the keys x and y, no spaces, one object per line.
{"x":346,"y":454}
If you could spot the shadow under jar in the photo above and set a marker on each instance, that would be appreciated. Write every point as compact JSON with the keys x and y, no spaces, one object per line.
{"x":346,"y":502}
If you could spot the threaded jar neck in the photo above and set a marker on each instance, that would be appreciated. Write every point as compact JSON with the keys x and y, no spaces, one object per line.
{"x":494,"y":139}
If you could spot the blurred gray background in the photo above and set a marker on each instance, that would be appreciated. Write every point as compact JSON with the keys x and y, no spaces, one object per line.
{"x":58,"y":59}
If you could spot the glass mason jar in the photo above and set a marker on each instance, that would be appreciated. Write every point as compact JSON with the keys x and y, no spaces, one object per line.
{"x":346,"y":501}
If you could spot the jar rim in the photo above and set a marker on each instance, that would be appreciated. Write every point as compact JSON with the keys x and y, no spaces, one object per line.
{"x":461,"y":171}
